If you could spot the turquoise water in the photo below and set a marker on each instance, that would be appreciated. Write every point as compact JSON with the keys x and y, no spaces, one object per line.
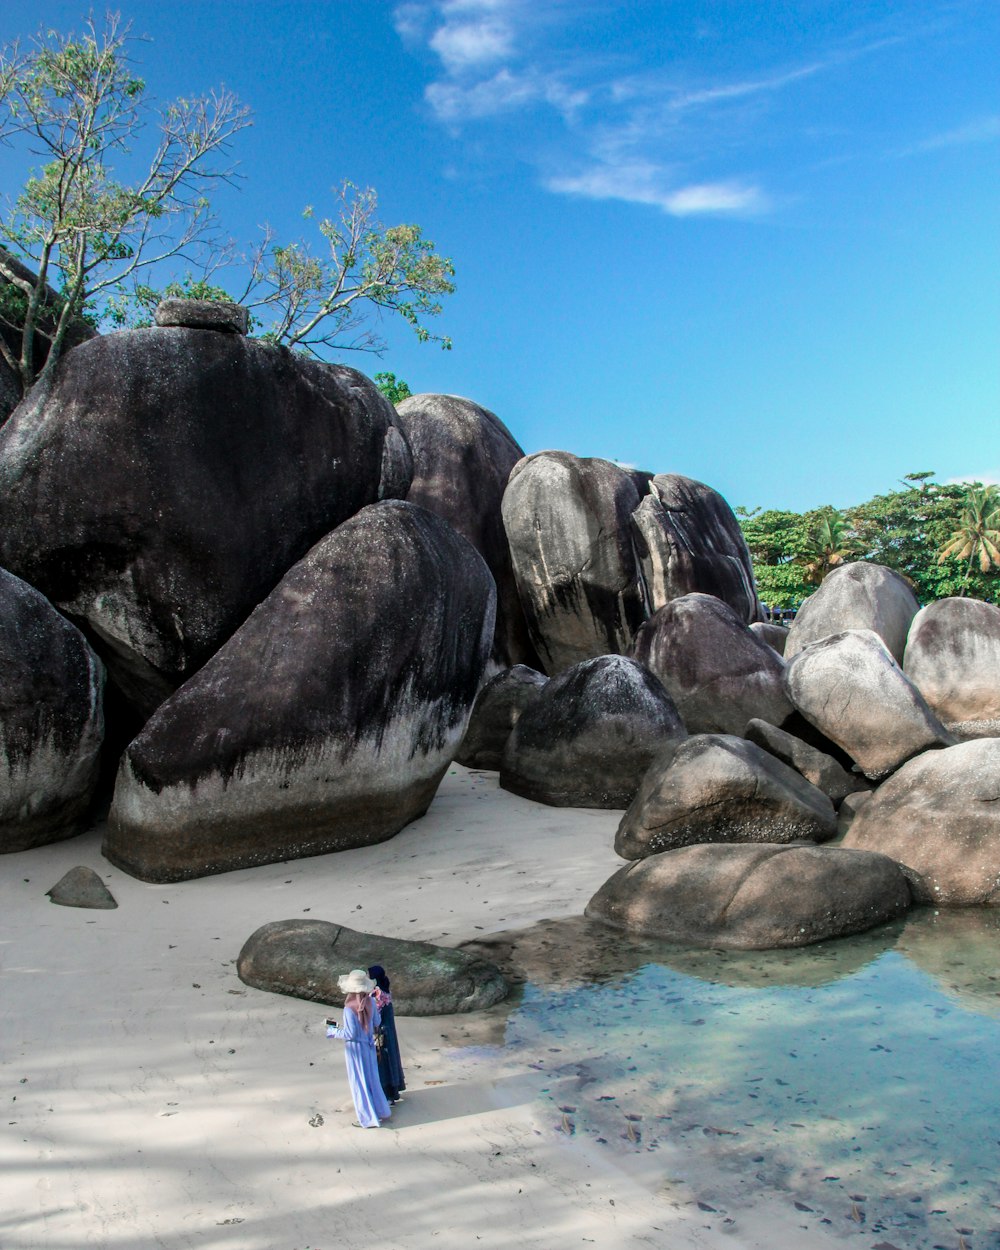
{"x":859,"y":1078}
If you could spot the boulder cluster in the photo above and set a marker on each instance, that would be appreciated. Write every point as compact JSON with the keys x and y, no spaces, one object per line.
{"x":259,"y":611}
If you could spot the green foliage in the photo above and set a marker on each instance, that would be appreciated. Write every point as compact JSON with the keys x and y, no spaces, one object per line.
{"x":915,"y":531}
{"x":394,"y":389}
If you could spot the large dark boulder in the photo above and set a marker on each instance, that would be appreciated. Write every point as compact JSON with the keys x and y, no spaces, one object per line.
{"x":568,"y":522}
{"x":163,"y":484}
{"x":51,"y":720}
{"x":303,"y":958}
{"x":495,"y":713}
{"x":856,"y":596}
{"x":822,"y":770}
{"x":327,"y":720}
{"x":462,"y":458}
{"x":854,"y":692}
{"x":590,"y":735}
{"x":715,"y":669}
{"x":689,"y":541}
{"x":720,"y":788}
{"x":752,"y":897}
{"x":939,"y":817}
{"x":953,"y":657}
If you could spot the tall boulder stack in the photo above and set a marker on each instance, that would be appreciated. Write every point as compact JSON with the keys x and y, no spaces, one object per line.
{"x":953,"y":657}
{"x":163,"y":484}
{"x":689,"y":541}
{"x":328,"y":719}
{"x":51,"y":720}
{"x":856,"y":596}
{"x":717,"y":671}
{"x":568,"y":522}
{"x":462,"y":458}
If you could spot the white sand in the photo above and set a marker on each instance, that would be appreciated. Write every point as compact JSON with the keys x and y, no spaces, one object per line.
{"x":154,"y":1100}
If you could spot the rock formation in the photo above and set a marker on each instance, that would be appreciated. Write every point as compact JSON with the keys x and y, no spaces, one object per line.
{"x":495,"y":713}
{"x":327,"y":720}
{"x":51,"y":720}
{"x":720,"y":788}
{"x":588,"y":737}
{"x":82,"y":887}
{"x":856,"y":596}
{"x":752,"y":897}
{"x":953,"y":657}
{"x":822,"y":770}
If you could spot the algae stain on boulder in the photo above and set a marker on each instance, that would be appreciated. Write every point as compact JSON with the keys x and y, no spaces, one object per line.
{"x":328,"y":719}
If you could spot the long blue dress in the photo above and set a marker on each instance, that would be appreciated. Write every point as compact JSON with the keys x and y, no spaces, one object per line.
{"x":362,"y":1067}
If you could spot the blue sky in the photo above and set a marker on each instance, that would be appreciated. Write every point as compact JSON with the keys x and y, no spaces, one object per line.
{"x":755,"y":243}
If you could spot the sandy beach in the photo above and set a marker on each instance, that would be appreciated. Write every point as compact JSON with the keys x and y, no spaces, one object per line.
{"x":152,"y":1099}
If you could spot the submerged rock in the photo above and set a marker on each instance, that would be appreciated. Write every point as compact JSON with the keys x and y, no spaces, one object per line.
{"x":495,"y":713}
{"x":720,"y":788}
{"x":590,"y":734}
{"x":82,"y":887}
{"x":953,"y":657}
{"x":303,"y":958}
{"x":51,"y":720}
{"x":939,"y":818}
{"x":328,"y":719}
{"x":752,"y":897}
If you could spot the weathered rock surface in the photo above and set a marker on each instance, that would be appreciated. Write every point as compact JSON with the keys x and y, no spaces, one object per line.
{"x":720,"y":788}
{"x":849,"y":808}
{"x":167,"y":480}
{"x":816,"y":766}
{"x":51,"y":720}
{"x":327,"y":720}
{"x":82,"y":887}
{"x":590,"y":735}
{"x":568,"y":522}
{"x":854,"y":692}
{"x":718,"y":673}
{"x":203,"y":314}
{"x":856,"y":596}
{"x":303,"y":958}
{"x":953,"y":657}
{"x":939,"y":817}
{"x":495,"y":713}
{"x":689,"y":540}
{"x":753,"y":897}
{"x":462,"y":458}
{"x":774,"y":635}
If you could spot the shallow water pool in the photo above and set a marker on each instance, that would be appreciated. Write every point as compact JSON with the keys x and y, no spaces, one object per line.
{"x":860,"y":1078}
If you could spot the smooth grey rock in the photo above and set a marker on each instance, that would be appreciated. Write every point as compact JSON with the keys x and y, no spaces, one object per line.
{"x":775,"y":636}
{"x":953,"y":657}
{"x":462,"y":458}
{"x":166,"y":481}
{"x":51,"y":720}
{"x":495,"y":713}
{"x":82,"y":887}
{"x":327,"y":720}
{"x":689,"y":541}
{"x":816,"y":766}
{"x":568,"y":522}
{"x":854,"y":692}
{"x":720,"y":788}
{"x":303,"y":958}
{"x":849,"y":808}
{"x":752,"y":897}
{"x":589,"y":736}
{"x":856,"y":596}
{"x":203,"y":314}
{"x":939,"y":817}
{"x":718,"y":673}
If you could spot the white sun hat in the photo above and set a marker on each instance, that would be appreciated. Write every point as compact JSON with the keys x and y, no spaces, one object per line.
{"x":357,"y":981}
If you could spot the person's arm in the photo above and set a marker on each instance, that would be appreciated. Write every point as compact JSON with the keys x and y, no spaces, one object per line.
{"x":348,"y":1031}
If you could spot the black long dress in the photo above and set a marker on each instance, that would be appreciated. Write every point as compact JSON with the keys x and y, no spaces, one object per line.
{"x":390,"y":1066}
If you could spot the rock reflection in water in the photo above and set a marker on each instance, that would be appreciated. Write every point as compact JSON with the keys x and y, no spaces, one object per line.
{"x":857,"y":1077}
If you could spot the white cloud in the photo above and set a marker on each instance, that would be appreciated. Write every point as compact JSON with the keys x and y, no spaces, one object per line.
{"x":466,"y":44}
{"x":453,"y":102}
{"x":991,"y":477}
{"x":643,"y":182}
{"x":716,"y":197}
{"x":981,"y":130}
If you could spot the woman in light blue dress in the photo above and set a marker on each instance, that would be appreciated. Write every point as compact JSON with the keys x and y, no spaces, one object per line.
{"x":361,"y":1018}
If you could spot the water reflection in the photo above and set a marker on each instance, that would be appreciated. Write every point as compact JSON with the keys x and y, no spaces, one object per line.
{"x":857,"y":1077}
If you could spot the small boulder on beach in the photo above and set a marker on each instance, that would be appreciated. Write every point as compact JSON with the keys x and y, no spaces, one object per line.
{"x":82,"y":887}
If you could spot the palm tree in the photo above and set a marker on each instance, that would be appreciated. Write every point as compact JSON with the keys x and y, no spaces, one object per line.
{"x":977,"y":538}
{"x":829,"y":543}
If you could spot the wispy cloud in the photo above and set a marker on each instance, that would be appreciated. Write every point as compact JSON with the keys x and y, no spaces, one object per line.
{"x":646,"y":183}
{"x":989,"y":477}
{"x":979,"y":130}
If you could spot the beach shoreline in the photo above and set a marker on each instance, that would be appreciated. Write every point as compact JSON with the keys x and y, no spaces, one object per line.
{"x":153,"y":1099}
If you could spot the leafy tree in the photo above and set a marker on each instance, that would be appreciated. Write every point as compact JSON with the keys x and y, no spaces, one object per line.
{"x":775,"y":538}
{"x":977,"y":538}
{"x":394,"y":389}
{"x":75,"y":103}
{"x":828,"y":543}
